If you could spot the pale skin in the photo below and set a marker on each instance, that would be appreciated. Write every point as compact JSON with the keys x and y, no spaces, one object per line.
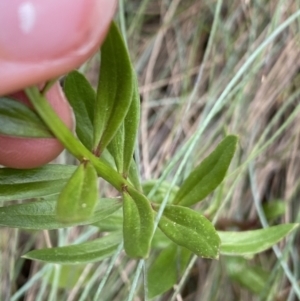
{"x":44,"y":40}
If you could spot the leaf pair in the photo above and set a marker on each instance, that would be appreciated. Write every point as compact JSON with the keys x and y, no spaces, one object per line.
{"x":123,"y":144}
{"x":111,"y":115}
{"x":118,"y":103}
{"x":182,"y":225}
{"x":116,"y":89}
{"x":79,"y":197}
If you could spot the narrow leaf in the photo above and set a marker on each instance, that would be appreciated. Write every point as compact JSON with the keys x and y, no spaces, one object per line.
{"x":82,"y":98}
{"x":138,"y":224}
{"x":116,"y":148}
{"x":160,"y":240}
{"x":89,"y":193}
{"x":68,"y":276}
{"x":252,"y":277}
{"x":191,"y":230}
{"x":134,"y":176}
{"x":248,"y":243}
{"x":114,"y":93}
{"x":161,"y":191}
{"x":123,"y":144}
{"x":38,"y":182}
{"x":166,"y":269}
{"x":77,"y":200}
{"x":92,"y":251}
{"x":208,"y":175}
{"x":70,"y":197}
{"x":41,"y":215}
{"x":131,"y":125}
{"x":114,"y":222}
{"x":17,"y":119}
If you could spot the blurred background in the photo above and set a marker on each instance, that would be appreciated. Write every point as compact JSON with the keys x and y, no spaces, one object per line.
{"x":205,"y":69}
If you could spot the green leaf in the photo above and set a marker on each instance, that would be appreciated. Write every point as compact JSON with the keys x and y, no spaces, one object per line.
{"x":123,"y":144}
{"x":87,"y":252}
{"x":166,"y":269}
{"x":191,"y":230}
{"x":160,"y":192}
{"x":38,"y":182}
{"x":251,"y":277}
{"x":115,"y":89}
{"x":90,"y":192}
{"x":68,"y":276}
{"x":41,"y":215}
{"x":248,"y":243}
{"x":112,"y":223}
{"x":78,"y":199}
{"x":138,"y":224}
{"x":208,"y":175}
{"x":160,"y":240}
{"x":134,"y":176}
{"x":82,"y":98}
{"x":17,"y":119}
{"x":274,"y":209}
{"x":116,"y":148}
{"x":131,"y":125}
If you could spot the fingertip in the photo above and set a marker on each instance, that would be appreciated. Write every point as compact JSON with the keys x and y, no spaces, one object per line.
{"x":17,"y":152}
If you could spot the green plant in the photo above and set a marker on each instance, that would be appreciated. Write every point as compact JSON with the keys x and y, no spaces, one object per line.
{"x":106,"y":128}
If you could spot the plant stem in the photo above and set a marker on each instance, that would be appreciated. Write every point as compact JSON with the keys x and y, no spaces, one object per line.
{"x":71,"y":143}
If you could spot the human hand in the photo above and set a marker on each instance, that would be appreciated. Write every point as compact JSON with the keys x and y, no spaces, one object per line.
{"x":41,"y":41}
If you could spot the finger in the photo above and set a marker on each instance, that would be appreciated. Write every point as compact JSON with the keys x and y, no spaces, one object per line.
{"x":44,"y":39}
{"x":29,"y":153}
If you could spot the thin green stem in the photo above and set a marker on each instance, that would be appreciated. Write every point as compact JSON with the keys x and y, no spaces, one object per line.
{"x":72,"y":144}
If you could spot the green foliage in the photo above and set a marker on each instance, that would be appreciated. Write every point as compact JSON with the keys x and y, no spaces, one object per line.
{"x":37,"y":182}
{"x":82,"y":98}
{"x":134,"y":176}
{"x":77,"y":201}
{"x":167,"y":267}
{"x":68,"y":276}
{"x":114,"y":222}
{"x":131,"y":125}
{"x":123,"y":144}
{"x":41,"y":215}
{"x":208,"y":175}
{"x":106,"y":127}
{"x":87,"y":252}
{"x":251,"y":277}
{"x":191,"y":230}
{"x":115,"y":90}
{"x":138,"y":224}
{"x":274,"y":209}
{"x":248,"y":243}
{"x":17,"y":119}
{"x":160,"y":192}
